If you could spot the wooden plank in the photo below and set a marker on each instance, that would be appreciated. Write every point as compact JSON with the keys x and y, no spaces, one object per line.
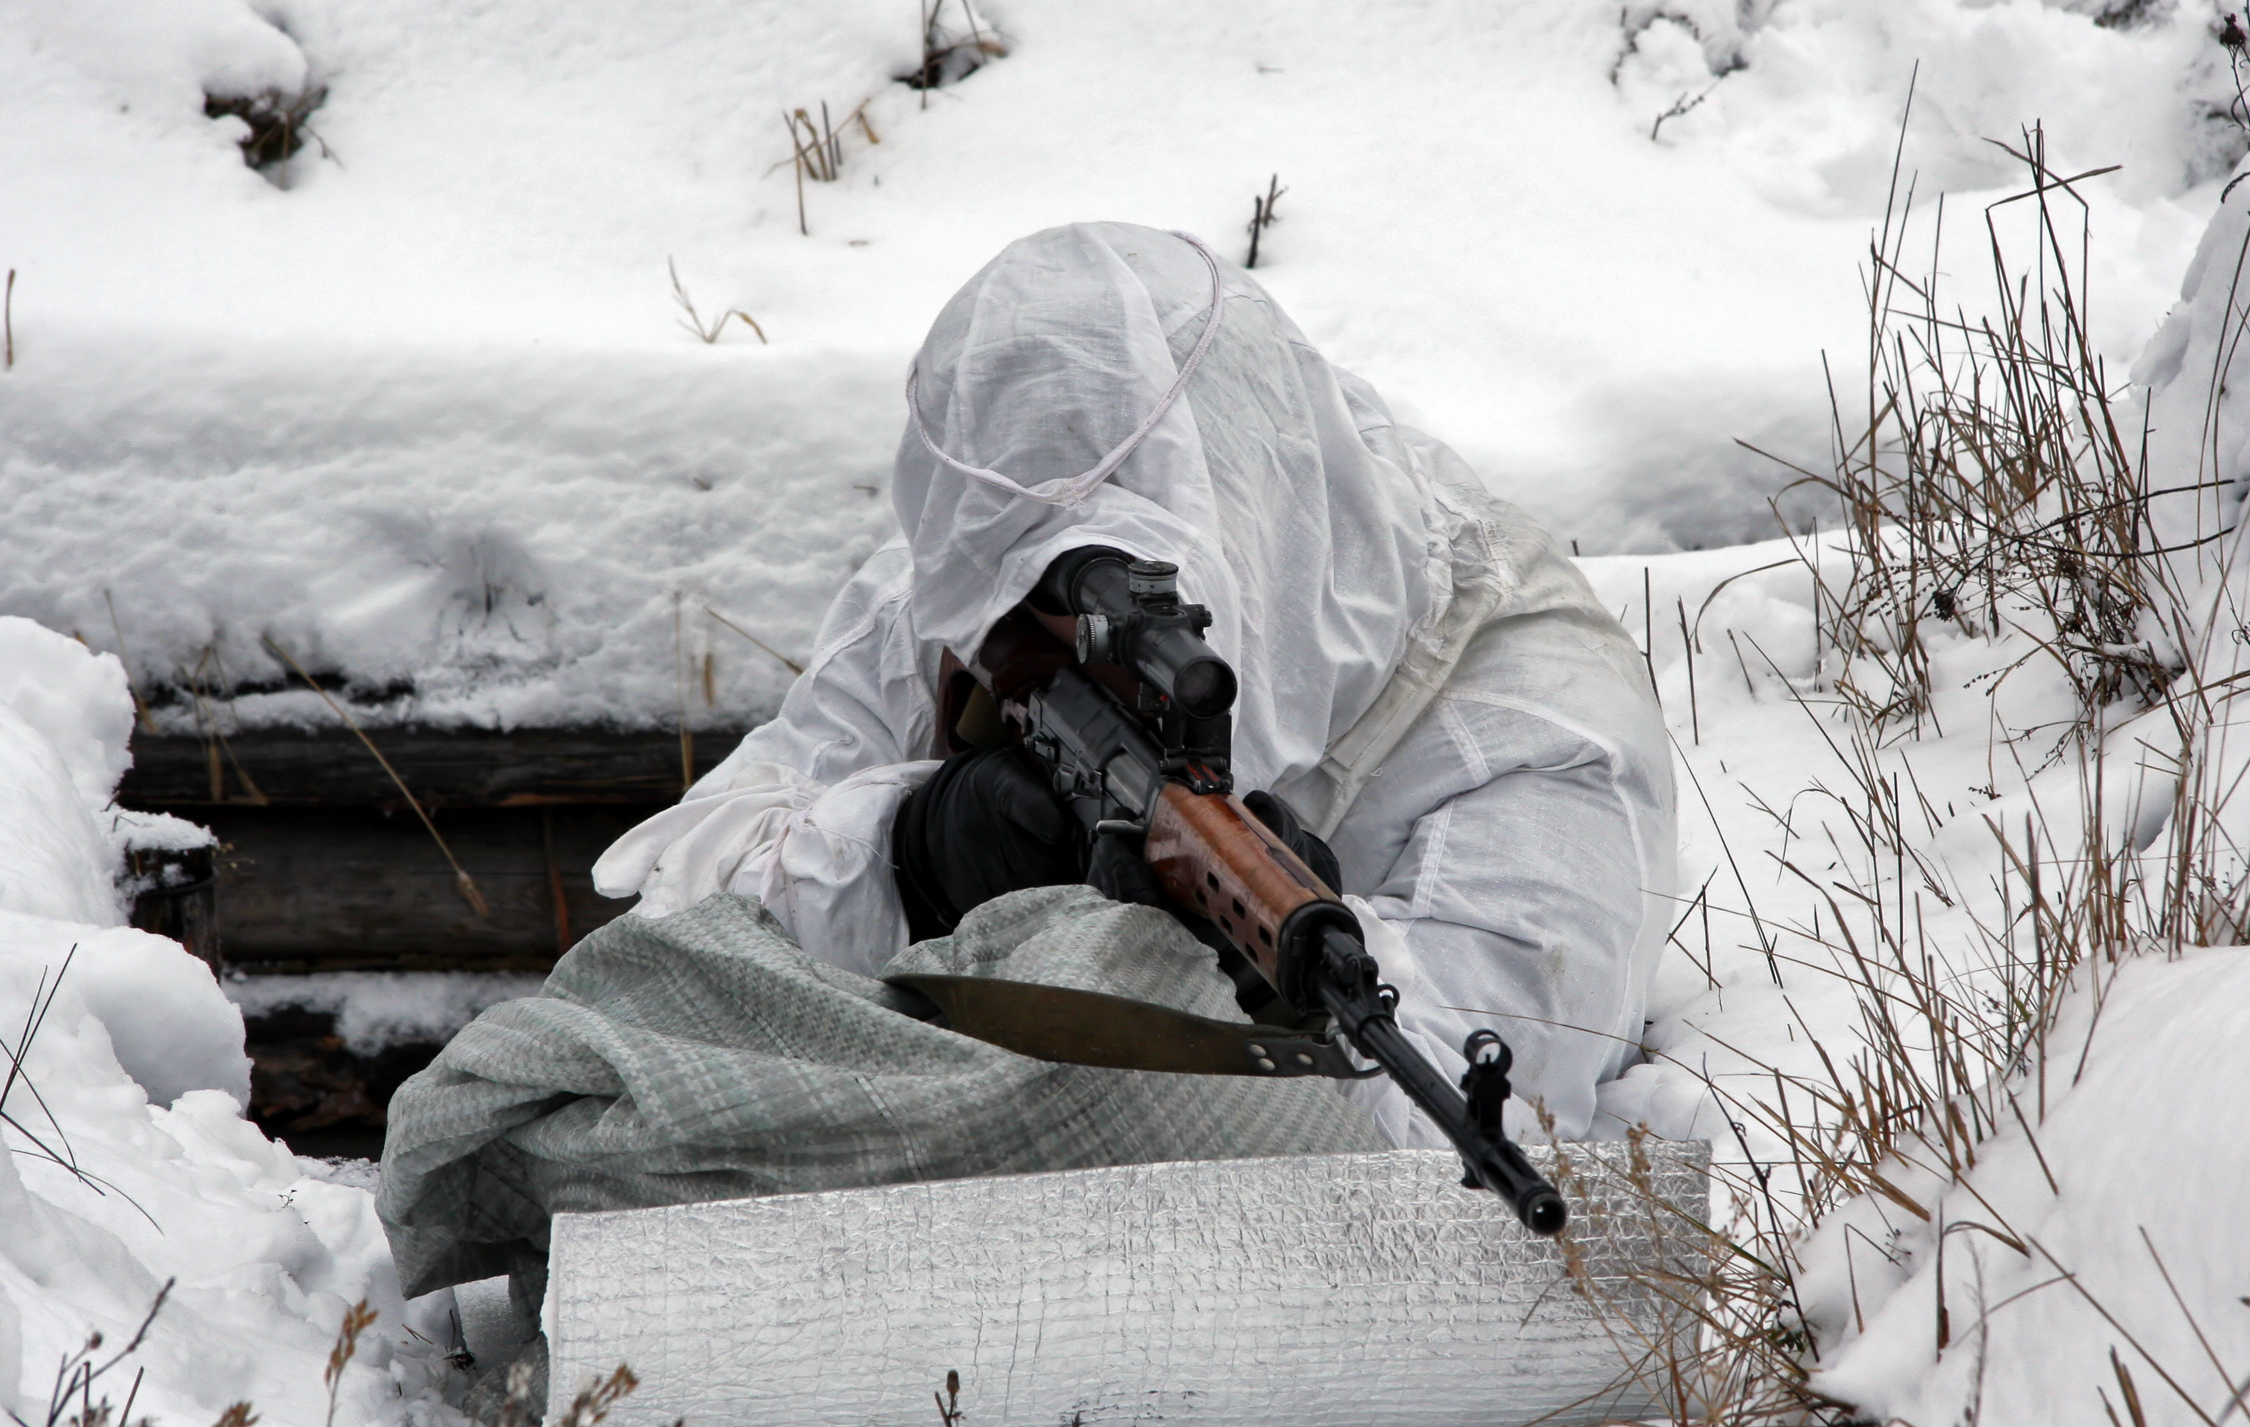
{"x":444,"y":767}
{"x":336,"y":889}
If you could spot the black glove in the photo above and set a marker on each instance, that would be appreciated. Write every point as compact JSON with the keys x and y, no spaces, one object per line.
{"x":985,"y":823}
{"x":1118,"y":870}
{"x":1282,"y":820}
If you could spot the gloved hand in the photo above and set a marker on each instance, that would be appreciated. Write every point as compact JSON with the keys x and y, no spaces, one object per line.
{"x":984,"y":824}
{"x":1119,"y":871}
{"x":1284,"y":823}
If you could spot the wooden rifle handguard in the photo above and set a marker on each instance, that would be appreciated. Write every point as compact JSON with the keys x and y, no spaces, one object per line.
{"x":1214,"y":856}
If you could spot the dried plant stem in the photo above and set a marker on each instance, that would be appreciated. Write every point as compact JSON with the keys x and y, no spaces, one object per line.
{"x":357,"y":1320}
{"x":803,"y":230}
{"x":707,"y":332}
{"x":462,"y":881}
{"x":790,"y":664}
{"x":132,"y":686}
{"x":1262,"y":215}
{"x":680,"y":687}
{"x":8,"y":320}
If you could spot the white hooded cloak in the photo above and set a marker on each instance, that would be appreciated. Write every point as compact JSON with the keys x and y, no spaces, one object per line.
{"x":1422,"y":674}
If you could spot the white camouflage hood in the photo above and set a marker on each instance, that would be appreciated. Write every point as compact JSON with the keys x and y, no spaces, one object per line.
{"x":1267,"y":481}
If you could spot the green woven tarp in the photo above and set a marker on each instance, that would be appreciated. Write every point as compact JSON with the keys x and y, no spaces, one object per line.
{"x":703,"y":1056}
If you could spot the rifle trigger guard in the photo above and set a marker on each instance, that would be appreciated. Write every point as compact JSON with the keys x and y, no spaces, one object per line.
{"x":1124,"y":826}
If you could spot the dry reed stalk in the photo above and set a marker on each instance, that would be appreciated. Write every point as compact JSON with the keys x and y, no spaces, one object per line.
{"x":357,"y":1320}
{"x":788,"y":663}
{"x":250,"y":788}
{"x":680,"y":687}
{"x":803,"y":230}
{"x":816,"y":150}
{"x":940,"y":45}
{"x":215,"y":742}
{"x":462,"y":881}
{"x":8,"y":321}
{"x":595,"y":1400}
{"x":1687,"y":647}
{"x":1262,"y":216}
{"x":132,"y":685}
{"x":708,"y":332}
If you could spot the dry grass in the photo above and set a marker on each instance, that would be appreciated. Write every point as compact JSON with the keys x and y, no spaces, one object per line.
{"x":462,"y":881}
{"x":706,"y":332}
{"x":1993,"y":487}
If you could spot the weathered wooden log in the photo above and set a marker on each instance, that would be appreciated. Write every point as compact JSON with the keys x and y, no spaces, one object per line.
{"x":1331,"y":1289}
{"x":339,"y":889}
{"x":444,"y":767}
{"x":326,"y":868}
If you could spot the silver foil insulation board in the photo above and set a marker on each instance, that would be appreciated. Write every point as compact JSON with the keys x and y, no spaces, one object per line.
{"x":1344,"y":1289}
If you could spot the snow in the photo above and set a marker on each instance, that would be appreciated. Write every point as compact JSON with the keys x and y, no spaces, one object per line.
{"x":129,"y":1163}
{"x":415,"y":408}
{"x":375,"y":1010}
{"x":422,"y":412}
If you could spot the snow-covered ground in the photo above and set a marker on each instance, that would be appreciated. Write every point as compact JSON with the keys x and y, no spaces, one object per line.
{"x":421,"y":411}
{"x":129,"y":1163}
{"x":414,"y":407}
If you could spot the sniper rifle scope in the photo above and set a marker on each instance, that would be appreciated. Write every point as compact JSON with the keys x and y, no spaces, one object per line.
{"x":1129,"y":613}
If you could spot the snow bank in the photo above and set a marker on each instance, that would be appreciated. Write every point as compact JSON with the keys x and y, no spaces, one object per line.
{"x":62,"y":749}
{"x":499,"y":538}
{"x":128,"y":1162}
{"x":2142,"y":1137}
{"x":416,"y":405}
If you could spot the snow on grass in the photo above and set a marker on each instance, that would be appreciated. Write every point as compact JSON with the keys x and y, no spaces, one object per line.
{"x":2103,"y":1231}
{"x":1963,"y":840}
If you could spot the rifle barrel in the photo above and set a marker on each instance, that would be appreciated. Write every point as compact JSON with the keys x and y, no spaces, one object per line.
{"x":1492,"y":1160}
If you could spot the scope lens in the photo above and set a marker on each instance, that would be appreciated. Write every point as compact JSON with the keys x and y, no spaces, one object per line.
{"x":1205,"y":688}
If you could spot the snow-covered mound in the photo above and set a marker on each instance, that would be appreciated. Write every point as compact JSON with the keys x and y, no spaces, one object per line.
{"x":414,"y":402}
{"x":2132,"y":1177}
{"x":127,"y":1161}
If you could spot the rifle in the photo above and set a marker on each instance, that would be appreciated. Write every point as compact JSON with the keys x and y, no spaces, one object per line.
{"x":1134,"y":726}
